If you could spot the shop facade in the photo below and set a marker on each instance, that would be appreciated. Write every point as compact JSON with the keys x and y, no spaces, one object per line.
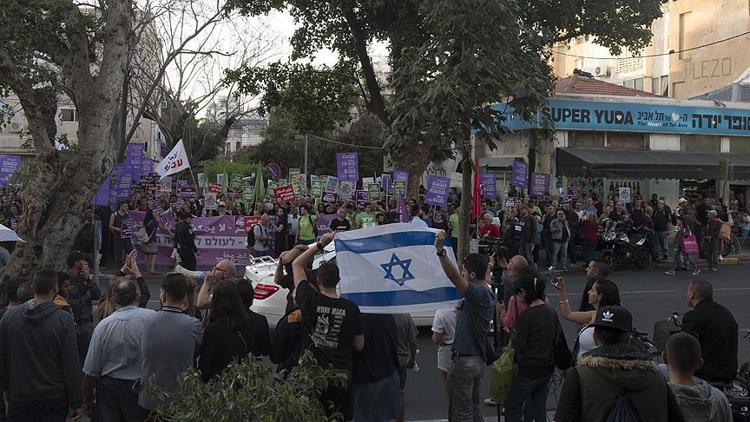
{"x":647,"y":145}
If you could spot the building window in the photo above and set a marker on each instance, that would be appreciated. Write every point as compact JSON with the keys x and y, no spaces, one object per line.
{"x":655,"y":86}
{"x":237,"y":145}
{"x":68,"y":115}
{"x":700,"y":143}
{"x":578,"y":139}
{"x":629,"y":84}
{"x":664,"y":90}
{"x":638,"y":84}
{"x":682,"y":42}
{"x":627,"y":140}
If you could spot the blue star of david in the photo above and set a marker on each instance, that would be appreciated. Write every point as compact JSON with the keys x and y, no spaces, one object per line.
{"x":403,"y":264}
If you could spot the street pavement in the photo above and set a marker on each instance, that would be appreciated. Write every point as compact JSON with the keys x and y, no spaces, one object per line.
{"x":649,"y":295}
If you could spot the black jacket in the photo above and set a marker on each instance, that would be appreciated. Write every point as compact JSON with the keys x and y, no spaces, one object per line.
{"x":286,"y":347}
{"x":716,"y":330}
{"x":81,"y":296}
{"x":185,"y":238}
{"x":39,"y":354}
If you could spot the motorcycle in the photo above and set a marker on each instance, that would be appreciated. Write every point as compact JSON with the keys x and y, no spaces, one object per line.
{"x":622,"y":249}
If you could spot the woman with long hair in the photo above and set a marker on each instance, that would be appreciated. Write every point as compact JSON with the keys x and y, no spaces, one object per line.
{"x":603,"y":292}
{"x":151,"y":225}
{"x":106,"y":305}
{"x":228,"y":332}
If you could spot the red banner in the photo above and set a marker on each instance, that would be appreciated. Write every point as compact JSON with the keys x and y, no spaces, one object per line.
{"x":284,"y":194}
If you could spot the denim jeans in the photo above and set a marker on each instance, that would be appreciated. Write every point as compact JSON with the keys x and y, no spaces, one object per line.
{"x":117,"y":400}
{"x":526,"y":249}
{"x":559,"y":249}
{"x":660,"y":244}
{"x":464,"y":378}
{"x":529,"y":392}
{"x":377,"y":401}
{"x":55,"y":410}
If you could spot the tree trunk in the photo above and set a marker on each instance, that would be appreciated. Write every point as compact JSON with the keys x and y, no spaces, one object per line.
{"x":416,"y":162}
{"x":466,"y":193}
{"x":55,"y":211}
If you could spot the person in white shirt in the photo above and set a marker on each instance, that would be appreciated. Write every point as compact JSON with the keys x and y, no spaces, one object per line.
{"x":443,"y":330}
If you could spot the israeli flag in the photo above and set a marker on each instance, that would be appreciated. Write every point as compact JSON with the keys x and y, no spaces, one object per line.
{"x":393,"y":269}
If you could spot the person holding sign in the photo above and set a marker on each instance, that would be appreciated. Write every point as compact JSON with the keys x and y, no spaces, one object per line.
{"x":121,"y":243}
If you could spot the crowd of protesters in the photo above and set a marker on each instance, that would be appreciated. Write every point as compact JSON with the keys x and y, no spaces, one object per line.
{"x":68,"y":348}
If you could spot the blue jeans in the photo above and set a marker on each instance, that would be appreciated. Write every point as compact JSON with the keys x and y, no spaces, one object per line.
{"x":660,"y":247}
{"x":561,"y":249}
{"x":529,"y":392}
{"x":55,"y":410}
{"x":464,"y":378}
{"x":377,"y":401}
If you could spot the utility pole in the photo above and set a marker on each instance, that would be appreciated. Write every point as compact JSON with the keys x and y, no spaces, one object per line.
{"x":307,"y":138}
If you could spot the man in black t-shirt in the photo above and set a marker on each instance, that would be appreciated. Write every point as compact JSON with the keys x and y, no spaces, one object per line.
{"x":340,"y":222}
{"x":332,"y":325}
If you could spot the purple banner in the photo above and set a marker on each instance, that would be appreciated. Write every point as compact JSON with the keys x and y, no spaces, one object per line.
{"x":329,"y":197}
{"x":402,"y":211}
{"x":437,"y":190}
{"x":9,"y":164}
{"x":217,"y":238}
{"x":539,"y":183}
{"x":102,"y":194}
{"x":520,"y":175}
{"x":347,"y":164}
{"x":489,"y":185}
{"x":401,"y":176}
{"x":323,"y":223}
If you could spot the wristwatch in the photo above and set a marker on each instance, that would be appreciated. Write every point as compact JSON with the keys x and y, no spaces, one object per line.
{"x":319,"y":246}
{"x":441,"y":252}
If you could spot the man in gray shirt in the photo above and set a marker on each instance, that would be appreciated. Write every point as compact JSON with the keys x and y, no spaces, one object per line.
{"x":171,"y":339}
{"x":473,"y":325}
{"x":114,"y":358}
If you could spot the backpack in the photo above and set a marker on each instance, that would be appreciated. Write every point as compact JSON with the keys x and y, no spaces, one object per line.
{"x":314,"y":225}
{"x":251,"y":237}
{"x":624,"y":410}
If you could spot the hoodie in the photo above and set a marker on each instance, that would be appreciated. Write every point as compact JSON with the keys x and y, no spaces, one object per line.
{"x":39,"y":354}
{"x":702,"y":402}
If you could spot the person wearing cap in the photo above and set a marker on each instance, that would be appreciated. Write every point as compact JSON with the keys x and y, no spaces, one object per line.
{"x":711,"y":240}
{"x":614,"y":367}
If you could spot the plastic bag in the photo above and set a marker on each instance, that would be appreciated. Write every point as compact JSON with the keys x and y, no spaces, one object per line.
{"x":501,"y":375}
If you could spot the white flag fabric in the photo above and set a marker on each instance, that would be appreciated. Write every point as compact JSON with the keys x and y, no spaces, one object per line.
{"x":393,"y":269}
{"x":175,"y":162}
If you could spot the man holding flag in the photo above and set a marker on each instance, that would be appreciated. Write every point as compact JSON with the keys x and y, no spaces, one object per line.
{"x":473,"y":325}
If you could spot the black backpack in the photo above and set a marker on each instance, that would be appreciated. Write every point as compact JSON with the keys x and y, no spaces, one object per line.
{"x":623,"y":410}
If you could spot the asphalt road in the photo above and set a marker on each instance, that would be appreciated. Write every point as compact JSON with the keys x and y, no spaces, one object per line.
{"x":649,"y":295}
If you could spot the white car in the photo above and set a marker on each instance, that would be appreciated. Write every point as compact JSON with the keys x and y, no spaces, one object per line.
{"x":270,"y":298}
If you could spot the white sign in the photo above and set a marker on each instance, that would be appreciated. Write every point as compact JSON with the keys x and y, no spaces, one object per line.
{"x":175,"y":162}
{"x":624,"y":194}
{"x":211,"y":202}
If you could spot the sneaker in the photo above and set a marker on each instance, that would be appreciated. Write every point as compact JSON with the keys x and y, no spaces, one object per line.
{"x":490,"y":402}
{"x":714,"y":269}
{"x":551,"y":268}
{"x":721,"y":258}
{"x":696,"y":272}
{"x":669,"y":272}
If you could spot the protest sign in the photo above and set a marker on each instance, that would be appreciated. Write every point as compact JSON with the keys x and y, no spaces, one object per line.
{"x":249,"y":221}
{"x":211,"y":202}
{"x":367,"y":180}
{"x":126,"y":228}
{"x":540,"y":183}
{"x":214,"y":188}
{"x":283,"y":194}
{"x":317,"y":187}
{"x":437,"y":190}
{"x":332,"y":184}
{"x":165,"y":185}
{"x":385,"y":181}
{"x":520,"y":173}
{"x":347,"y":166}
{"x":401,"y":175}
{"x":373,"y":191}
{"x":202,"y":182}
{"x":362,"y":198}
{"x":235,"y":184}
{"x":489,"y":185}
{"x":510,"y":203}
{"x":9,"y":164}
{"x":346,"y":189}
{"x":175,"y":162}
{"x":624,"y":194}
{"x":330,"y":197}
{"x":399,"y":187}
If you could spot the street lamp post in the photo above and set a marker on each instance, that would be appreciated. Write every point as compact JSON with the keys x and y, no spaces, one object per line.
{"x":306,"y":137}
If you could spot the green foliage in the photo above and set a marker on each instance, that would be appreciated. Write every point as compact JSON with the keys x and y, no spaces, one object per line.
{"x":26,"y":174}
{"x":445,"y":88}
{"x":317,"y":98}
{"x":248,"y":391}
{"x":222,"y":165}
{"x":280,"y":145}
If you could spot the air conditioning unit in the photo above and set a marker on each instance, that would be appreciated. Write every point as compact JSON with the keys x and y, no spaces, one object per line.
{"x":602,"y":71}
